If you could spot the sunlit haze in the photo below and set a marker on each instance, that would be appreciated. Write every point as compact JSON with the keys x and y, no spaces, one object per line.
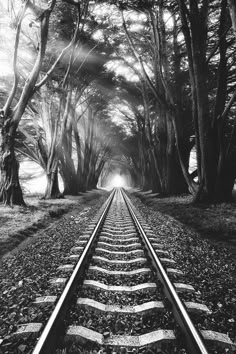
{"x":117,"y":181}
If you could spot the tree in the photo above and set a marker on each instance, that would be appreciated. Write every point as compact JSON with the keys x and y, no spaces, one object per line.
{"x":179,"y":91}
{"x":93,"y":141}
{"x":214,"y":143}
{"x":160,"y":140}
{"x":10,"y":190}
{"x":232,"y":7}
{"x":39,"y":138}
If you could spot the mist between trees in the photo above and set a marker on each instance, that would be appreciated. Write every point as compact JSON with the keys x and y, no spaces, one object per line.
{"x":133,"y":86}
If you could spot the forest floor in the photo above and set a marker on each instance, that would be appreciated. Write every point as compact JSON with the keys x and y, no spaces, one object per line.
{"x":216,"y":222}
{"x":18,"y":224}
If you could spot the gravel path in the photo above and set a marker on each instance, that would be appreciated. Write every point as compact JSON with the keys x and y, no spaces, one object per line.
{"x":209,"y":268}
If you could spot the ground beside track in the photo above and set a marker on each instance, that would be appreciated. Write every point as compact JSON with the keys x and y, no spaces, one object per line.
{"x":20,"y":225}
{"x":208,"y":265}
{"x":25,"y":272}
{"x":216,"y":222}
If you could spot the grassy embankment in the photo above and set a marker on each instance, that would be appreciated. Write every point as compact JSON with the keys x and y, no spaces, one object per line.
{"x":18,"y":225}
{"x":215,"y":222}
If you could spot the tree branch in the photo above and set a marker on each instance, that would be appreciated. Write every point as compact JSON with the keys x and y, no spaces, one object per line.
{"x":28,"y":89}
{"x":71,"y":2}
{"x":16,"y":75}
{"x":137,"y":57}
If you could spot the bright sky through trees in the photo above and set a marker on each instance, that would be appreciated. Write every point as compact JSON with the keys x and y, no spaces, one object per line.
{"x":117,"y":181}
{"x":7,"y":40}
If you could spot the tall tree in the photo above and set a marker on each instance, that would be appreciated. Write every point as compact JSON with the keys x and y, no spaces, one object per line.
{"x":16,"y":103}
{"x":10,"y":190}
{"x":232,"y":7}
{"x":161,"y":139}
{"x":210,"y":82}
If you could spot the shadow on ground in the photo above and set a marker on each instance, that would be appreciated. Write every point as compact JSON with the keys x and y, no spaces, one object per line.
{"x":215,"y":222}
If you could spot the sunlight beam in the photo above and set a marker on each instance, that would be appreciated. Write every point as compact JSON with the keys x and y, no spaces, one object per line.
{"x":118,"y":181}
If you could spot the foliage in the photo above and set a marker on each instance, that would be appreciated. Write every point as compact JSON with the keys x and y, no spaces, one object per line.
{"x":157,"y":75}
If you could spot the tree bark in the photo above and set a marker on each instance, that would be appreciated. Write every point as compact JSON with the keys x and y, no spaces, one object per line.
{"x":225,"y":179}
{"x":10,"y":189}
{"x":67,"y":167}
{"x":52,"y":189}
{"x":195,"y":28}
{"x":232,"y":9}
{"x":69,"y":181}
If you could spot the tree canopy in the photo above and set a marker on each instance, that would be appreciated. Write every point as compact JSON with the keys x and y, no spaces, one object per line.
{"x":138,"y":86}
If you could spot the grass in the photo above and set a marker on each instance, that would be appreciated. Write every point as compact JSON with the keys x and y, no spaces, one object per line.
{"x":215,"y":222}
{"x":19,"y":223}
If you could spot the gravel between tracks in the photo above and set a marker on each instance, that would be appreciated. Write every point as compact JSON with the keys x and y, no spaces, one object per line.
{"x":120,"y":324}
{"x":209,"y":268}
{"x":122,"y":299}
{"x":121,"y":280}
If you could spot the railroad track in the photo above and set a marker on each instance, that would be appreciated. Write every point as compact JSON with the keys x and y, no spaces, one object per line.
{"x":122,"y":294}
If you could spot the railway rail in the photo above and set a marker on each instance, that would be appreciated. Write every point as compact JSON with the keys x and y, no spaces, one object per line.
{"x":123,"y":294}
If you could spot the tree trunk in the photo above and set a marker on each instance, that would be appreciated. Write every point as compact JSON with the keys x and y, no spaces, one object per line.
{"x":10,"y":189}
{"x":52,"y":189}
{"x":69,"y":176}
{"x":70,"y":183}
{"x":224,"y":184}
{"x":207,"y":138}
{"x":232,"y":8}
{"x":195,"y":29}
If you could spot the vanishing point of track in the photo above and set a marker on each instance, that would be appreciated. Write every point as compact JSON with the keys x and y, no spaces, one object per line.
{"x":123,"y":280}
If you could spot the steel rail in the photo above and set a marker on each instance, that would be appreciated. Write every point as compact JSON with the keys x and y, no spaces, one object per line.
{"x":193,"y":339}
{"x":46,"y":342}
